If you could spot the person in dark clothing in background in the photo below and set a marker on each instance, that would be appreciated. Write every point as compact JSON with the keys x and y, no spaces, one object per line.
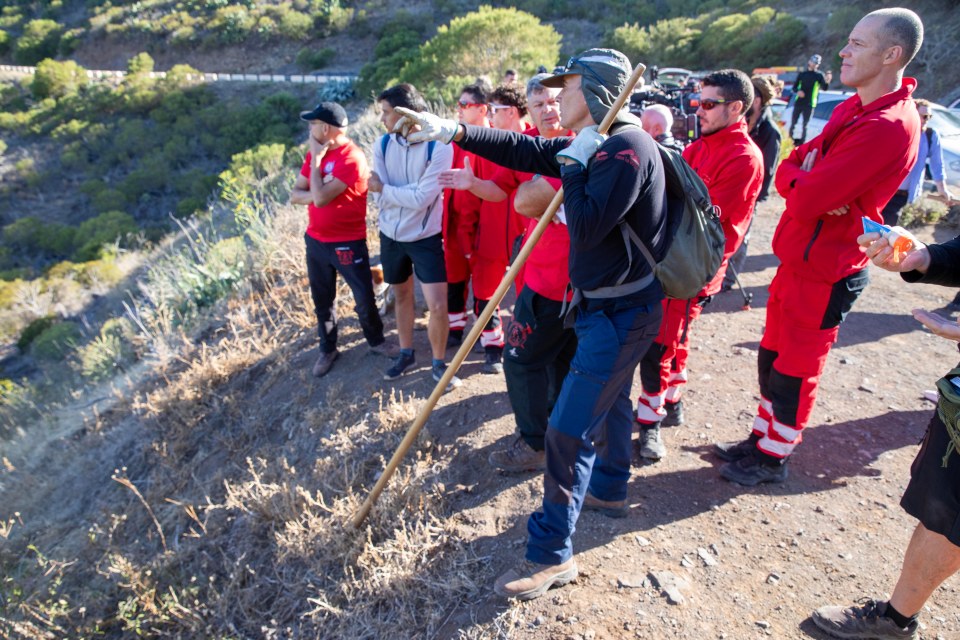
{"x":766,"y":134}
{"x":933,"y":494}
{"x":607,"y":182}
{"x":807,"y":87}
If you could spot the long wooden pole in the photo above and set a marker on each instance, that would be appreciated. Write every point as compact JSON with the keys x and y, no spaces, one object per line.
{"x":474,"y":335}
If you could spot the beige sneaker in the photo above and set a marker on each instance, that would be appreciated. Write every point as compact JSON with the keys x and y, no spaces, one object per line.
{"x":517,"y":458}
{"x":530,"y":580}
{"x":325,"y":363}
{"x":609,"y":508}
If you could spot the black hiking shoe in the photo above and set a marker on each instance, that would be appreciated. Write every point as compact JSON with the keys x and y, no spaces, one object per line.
{"x":864,"y":622}
{"x":674,"y":414}
{"x":733,"y":451}
{"x":755,"y":469}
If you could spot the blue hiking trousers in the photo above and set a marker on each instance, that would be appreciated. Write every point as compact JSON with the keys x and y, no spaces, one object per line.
{"x":588,"y":436}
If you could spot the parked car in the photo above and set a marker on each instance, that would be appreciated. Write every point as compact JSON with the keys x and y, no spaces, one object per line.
{"x":945,"y":121}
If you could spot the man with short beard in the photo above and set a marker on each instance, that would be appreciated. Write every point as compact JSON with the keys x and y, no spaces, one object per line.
{"x":731,"y":167}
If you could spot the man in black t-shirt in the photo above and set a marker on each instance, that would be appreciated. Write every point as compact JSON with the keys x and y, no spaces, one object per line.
{"x":807,"y":87}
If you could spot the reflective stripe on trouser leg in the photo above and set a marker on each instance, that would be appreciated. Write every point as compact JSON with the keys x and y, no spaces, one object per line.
{"x":588,"y":437}
{"x":457,"y":305}
{"x":761,"y":423}
{"x":678,"y":379}
{"x":803,"y":320}
{"x":492,"y":335}
{"x":650,"y":408}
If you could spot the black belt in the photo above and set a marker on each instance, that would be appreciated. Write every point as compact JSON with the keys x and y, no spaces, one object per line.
{"x":902,"y":192}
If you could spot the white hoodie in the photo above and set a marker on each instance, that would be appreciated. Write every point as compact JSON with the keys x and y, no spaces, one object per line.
{"x":411,"y":203}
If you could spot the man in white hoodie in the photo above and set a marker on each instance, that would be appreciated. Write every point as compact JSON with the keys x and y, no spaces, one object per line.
{"x":405,"y":187}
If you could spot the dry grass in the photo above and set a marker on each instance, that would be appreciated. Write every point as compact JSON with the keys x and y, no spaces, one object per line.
{"x":240,"y":475}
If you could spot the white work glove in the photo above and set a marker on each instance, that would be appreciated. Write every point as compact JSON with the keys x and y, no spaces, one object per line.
{"x":420,"y":126}
{"x":583,"y":147}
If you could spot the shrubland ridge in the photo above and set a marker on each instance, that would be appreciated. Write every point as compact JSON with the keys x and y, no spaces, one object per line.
{"x":169,"y":468}
{"x":210,"y":495}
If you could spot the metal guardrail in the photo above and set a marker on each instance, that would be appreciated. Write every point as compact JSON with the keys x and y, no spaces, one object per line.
{"x":203,"y":77}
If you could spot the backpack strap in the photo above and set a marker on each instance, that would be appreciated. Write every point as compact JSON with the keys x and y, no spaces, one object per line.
{"x":929,"y":134}
{"x":383,"y":145}
{"x":430,"y":147}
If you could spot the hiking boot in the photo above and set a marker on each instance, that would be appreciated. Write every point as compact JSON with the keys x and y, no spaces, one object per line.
{"x":609,"y":508}
{"x":438,"y":370}
{"x":651,"y":444}
{"x":754,"y":469}
{"x":733,"y":451}
{"x":531,"y":580}
{"x":400,"y":364}
{"x":325,"y":363}
{"x":865,"y":622}
{"x":674,"y":414}
{"x":493,"y":361}
{"x":517,"y":458}
{"x":385,"y":349}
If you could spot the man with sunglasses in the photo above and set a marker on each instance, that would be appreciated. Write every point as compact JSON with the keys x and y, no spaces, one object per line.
{"x":608,"y":182}
{"x":487,"y":225}
{"x":731,"y":166}
{"x":911,"y":189}
{"x":539,"y":346}
{"x":471,"y":109}
{"x":829,"y":185}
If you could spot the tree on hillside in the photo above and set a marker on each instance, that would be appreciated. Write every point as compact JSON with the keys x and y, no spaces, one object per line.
{"x":57,"y":79}
{"x":712,"y":40}
{"x":39,"y":40}
{"x":485,"y":42}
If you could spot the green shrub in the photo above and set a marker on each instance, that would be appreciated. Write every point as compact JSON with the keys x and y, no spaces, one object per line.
{"x":398,"y":45}
{"x":6,"y":42}
{"x":109,"y":200}
{"x":295,"y":25}
{"x":487,"y":41}
{"x":923,"y":211}
{"x":68,"y":130}
{"x":39,"y":40}
{"x":309,"y":59}
{"x":140,"y":63}
{"x":232,"y":24}
{"x":70,"y":40}
{"x":3,"y":147}
{"x":111,"y":351}
{"x":32,"y":330}
{"x":105,"y":228}
{"x":56,"y":342}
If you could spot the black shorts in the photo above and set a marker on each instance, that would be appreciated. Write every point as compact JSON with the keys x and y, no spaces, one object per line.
{"x":401,"y":259}
{"x":933,"y":495}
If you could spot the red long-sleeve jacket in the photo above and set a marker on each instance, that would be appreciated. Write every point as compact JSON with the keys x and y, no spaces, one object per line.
{"x":863,"y":155}
{"x":731,"y":165}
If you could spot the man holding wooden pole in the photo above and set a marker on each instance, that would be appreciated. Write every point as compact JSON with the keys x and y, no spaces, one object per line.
{"x":608,"y":182}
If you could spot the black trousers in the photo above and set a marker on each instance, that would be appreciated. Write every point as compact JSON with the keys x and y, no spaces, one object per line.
{"x":891,"y":212}
{"x":801,"y":110}
{"x":352,"y":261}
{"x":536,"y":360}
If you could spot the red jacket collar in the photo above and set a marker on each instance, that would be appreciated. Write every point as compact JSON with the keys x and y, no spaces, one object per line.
{"x":907,"y":87}
{"x":725,"y":136}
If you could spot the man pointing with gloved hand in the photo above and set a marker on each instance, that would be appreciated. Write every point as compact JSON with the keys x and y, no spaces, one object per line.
{"x":611,"y":184}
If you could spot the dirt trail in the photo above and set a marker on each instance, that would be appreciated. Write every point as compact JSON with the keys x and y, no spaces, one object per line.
{"x":755,"y":561}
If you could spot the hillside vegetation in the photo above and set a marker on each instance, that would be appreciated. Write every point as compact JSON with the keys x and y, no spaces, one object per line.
{"x":169,"y":469}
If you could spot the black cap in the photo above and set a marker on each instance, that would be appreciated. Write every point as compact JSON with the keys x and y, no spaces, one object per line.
{"x":329,"y":112}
